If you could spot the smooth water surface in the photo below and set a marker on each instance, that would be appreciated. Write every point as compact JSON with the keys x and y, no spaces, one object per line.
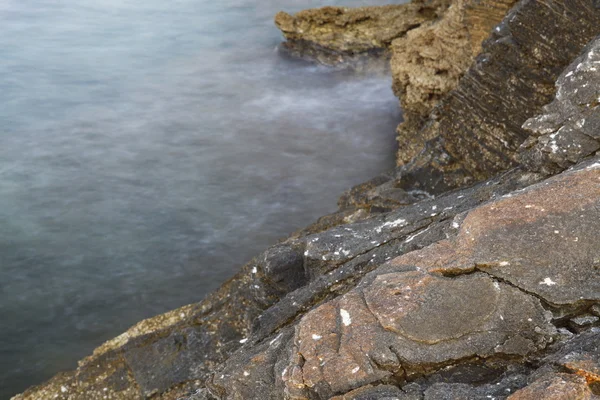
{"x":150,"y":148}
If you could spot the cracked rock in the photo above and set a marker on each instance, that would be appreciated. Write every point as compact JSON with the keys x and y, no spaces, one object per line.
{"x":542,"y":240}
{"x":568,"y":129}
{"x":400,"y":323}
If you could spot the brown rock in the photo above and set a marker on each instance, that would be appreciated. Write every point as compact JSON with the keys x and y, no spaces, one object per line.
{"x":408,"y":322}
{"x":479,"y":295}
{"x":339,"y":35}
{"x":475,"y":131}
{"x":543,"y":240}
{"x":555,"y":387}
{"x":428,"y":62}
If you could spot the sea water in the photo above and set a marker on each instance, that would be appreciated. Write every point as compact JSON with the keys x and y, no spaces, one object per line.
{"x":148,"y":149}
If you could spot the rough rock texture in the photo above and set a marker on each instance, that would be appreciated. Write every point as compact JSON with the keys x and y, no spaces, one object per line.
{"x":555,"y":387}
{"x":475,"y":132}
{"x":340,"y":36}
{"x":428,"y":62}
{"x":503,"y":286}
{"x":492,"y":290}
{"x":568,"y":128}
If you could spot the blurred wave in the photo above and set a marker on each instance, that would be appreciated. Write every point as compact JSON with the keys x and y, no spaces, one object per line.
{"x":150,"y":148}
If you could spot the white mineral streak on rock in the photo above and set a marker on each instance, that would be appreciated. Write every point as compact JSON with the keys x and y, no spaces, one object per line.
{"x":548,"y":282}
{"x":346,"y":320}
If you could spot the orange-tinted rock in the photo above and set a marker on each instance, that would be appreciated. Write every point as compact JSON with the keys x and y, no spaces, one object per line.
{"x":555,"y":387}
{"x":404,"y":322}
{"x":543,"y":240}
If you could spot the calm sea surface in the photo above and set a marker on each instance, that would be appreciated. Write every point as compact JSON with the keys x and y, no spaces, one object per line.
{"x":147,"y":150}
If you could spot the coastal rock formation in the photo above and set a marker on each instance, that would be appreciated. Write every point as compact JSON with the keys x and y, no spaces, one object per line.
{"x":340,"y":36}
{"x":488,"y":290}
{"x":568,"y":128}
{"x":476,"y":130}
{"x":428,"y":62}
{"x":449,"y":295}
{"x":506,"y":284}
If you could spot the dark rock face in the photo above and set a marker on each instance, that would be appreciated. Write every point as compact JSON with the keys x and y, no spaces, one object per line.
{"x":428,"y":62}
{"x":475,"y":132}
{"x":489,"y":290}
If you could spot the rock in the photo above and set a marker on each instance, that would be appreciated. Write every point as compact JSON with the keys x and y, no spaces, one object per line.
{"x":341,"y":36}
{"x":489,"y":290}
{"x":386,"y":329}
{"x":581,"y":356}
{"x":428,"y":62}
{"x":555,"y":387}
{"x":475,"y":131}
{"x":381,"y":392}
{"x":583,"y":322}
{"x":568,"y":129}
{"x":415,"y":315}
{"x":541,"y":240}
{"x":171,"y":355}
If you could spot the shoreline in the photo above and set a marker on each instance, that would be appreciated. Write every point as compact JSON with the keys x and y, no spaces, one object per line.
{"x":316,"y":315}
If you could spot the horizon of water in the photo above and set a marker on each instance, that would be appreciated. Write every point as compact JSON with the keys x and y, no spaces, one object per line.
{"x":148,"y":150}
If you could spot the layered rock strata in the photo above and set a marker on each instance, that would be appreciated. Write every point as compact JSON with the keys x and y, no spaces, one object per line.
{"x":428,"y":62}
{"x":475,"y":130}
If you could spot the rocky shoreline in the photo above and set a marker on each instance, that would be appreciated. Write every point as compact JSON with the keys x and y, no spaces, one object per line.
{"x":471,"y":271}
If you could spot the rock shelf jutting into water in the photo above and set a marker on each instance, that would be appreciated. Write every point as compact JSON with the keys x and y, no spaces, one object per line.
{"x":472,"y":271}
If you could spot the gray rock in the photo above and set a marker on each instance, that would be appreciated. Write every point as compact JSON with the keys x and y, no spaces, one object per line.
{"x":569,"y":127}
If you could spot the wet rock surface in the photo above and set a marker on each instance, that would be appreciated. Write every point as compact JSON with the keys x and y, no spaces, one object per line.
{"x":487,"y":291}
